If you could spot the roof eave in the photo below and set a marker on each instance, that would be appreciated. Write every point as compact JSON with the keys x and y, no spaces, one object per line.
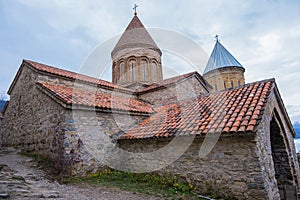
{"x":12,"y":85}
{"x":198,"y":135}
{"x":283,"y":109}
{"x":225,"y":67}
{"x":163,"y":86}
{"x":105,"y":110}
{"x":71,"y":106}
{"x":4,"y":108}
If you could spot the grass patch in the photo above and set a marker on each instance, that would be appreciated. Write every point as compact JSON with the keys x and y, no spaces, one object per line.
{"x":152,"y":184}
{"x":45,"y":162}
{"x":168,"y":187}
{"x":42,"y":160}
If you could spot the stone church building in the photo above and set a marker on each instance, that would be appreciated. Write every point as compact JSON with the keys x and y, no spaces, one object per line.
{"x":239,"y":136}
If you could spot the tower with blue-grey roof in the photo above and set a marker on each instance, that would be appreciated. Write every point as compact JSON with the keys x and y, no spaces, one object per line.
{"x":223,"y":71}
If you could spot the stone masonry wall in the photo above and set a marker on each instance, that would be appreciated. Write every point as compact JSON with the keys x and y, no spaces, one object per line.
{"x":87,"y":140}
{"x":265,"y":148}
{"x":182,"y":90}
{"x":225,"y":77}
{"x":33,"y":122}
{"x":231,"y":168}
{"x":1,"y":118}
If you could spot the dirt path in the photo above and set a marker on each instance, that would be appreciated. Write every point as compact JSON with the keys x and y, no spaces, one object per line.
{"x":21,"y":179}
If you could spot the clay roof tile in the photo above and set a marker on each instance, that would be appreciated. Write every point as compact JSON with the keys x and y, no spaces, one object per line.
{"x":213,"y":112}
{"x":74,"y":96}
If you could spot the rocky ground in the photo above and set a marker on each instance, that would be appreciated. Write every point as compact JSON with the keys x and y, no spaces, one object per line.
{"x":20,"y":178}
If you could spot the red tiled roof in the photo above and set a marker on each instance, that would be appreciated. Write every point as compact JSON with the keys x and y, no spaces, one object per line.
{"x":231,"y":111}
{"x":166,"y":82}
{"x":73,"y":75}
{"x":72,"y":96}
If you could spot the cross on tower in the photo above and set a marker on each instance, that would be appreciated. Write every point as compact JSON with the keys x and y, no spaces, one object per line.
{"x":217,"y":37}
{"x":134,"y":8}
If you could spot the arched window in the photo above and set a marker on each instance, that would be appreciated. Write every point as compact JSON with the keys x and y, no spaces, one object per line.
{"x":132,"y":64}
{"x":239,"y":83}
{"x":154,"y":71}
{"x":121,"y":71}
{"x":114,"y":73}
{"x":224,"y":85}
{"x":231,"y":84}
{"x":144,"y":68}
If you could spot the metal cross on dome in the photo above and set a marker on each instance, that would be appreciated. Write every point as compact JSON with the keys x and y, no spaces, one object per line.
{"x":217,"y":37}
{"x":134,"y":8}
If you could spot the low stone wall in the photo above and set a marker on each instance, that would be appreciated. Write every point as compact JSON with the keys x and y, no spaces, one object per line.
{"x":231,"y":168}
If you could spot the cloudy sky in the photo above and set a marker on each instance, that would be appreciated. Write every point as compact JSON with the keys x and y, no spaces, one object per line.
{"x":264,"y":35}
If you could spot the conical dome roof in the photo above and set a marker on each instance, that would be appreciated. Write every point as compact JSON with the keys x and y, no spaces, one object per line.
{"x":135,"y":36}
{"x":219,"y":58}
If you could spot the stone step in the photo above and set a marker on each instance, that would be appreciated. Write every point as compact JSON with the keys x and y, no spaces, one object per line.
{"x":4,"y":196}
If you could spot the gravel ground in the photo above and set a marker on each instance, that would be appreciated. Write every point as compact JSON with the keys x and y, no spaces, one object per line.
{"x":20,"y":178}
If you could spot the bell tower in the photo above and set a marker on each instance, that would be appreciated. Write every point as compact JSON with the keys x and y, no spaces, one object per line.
{"x":136,"y":58}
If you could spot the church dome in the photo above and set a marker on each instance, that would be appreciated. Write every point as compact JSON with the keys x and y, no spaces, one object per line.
{"x":135,"y":36}
{"x":221,"y":57}
{"x":223,"y":71}
{"x":136,"y":57}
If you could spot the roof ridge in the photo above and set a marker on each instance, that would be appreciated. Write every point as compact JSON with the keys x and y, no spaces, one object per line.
{"x":218,"y":92}
{"x":74,"y":75}
{"x":241,"y":86}
{"x":186,"y":74}
{"x":167,"y":81}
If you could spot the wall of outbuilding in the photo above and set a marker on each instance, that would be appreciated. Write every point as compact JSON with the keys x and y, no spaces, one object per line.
{"x":88,"y":140}
{"x":35,"y":122}
{"x":232,"y":168}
